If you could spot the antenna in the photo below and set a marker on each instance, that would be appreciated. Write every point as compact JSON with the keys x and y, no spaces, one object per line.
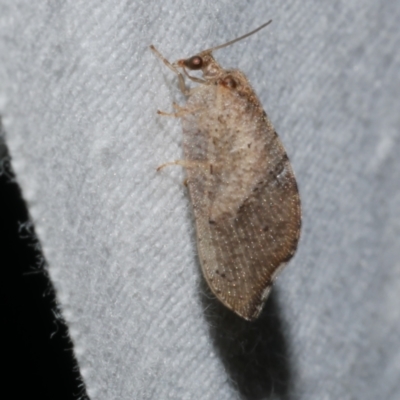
{"x":237,"y":39}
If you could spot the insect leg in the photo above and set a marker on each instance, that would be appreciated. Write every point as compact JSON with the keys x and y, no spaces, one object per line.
{"x":186,"y":164}
{"x":181,"y":79}
{"x":180,"y":113}
{"x":193,"y":78}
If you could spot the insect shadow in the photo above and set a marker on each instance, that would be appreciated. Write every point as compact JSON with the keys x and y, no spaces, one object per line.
{"x":255,"y":354}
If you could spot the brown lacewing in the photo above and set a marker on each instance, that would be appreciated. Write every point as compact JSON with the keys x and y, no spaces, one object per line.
{"x":244,"y":194}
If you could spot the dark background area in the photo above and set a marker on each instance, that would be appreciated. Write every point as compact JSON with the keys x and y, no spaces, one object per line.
{"x":38,"y":351}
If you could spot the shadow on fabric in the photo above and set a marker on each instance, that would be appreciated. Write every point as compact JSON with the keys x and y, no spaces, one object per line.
{"x":255,"y":354}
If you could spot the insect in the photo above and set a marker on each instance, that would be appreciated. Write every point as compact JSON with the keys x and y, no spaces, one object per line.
{"x":244,"y":194}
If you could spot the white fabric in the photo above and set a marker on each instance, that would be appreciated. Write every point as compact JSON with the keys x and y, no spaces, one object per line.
{"x":79,"y":90}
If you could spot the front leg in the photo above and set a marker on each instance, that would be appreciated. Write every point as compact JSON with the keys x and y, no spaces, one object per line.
{"x":172,"y":67}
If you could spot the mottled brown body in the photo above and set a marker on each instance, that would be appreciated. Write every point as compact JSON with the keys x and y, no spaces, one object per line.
{"x":242,"y":187}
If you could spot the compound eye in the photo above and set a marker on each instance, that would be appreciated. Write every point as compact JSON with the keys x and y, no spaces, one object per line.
{"x":195,"y":62}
